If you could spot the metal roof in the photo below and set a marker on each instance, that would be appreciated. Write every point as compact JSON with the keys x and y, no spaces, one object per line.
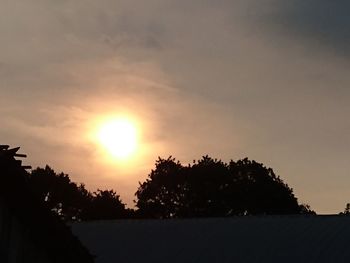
{"x":238,"y":239}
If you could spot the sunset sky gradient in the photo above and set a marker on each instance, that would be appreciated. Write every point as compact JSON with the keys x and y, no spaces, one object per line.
{"x":264,"y":79}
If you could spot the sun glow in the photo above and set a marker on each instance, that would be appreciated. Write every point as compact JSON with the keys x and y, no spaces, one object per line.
{"x":119,"y":137}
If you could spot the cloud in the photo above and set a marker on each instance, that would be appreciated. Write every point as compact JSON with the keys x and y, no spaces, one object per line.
{"x":265,"y":79}
{"x":321,"y":25}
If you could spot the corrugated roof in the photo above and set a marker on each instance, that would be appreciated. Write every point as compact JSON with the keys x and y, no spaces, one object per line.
{"x":239,"y":239}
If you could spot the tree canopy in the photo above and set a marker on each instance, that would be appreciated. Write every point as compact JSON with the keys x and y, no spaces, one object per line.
{"x":105,"y":204}
{"x":206,"y":188}
{"x":71,"y":201}
{"x":212,"y":188}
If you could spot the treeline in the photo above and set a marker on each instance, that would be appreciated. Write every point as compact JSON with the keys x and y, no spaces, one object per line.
{"x":206,"y":188}
{"x":73,"y":202}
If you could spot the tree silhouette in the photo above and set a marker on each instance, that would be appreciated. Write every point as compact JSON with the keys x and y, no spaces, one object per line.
{"x":105,"y":205}
{"x":73,"y":202}
{"x":260,"y":190}
{"x":60,"y":194}
{"x":346,"y":210}
{"x":161,"y":196}
{"x":211,"y":188}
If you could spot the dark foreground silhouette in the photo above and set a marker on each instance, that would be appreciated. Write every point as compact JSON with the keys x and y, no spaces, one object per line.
{"x":206,"y":188}
{"x":29,"y":231}
{"x":212,"y":188}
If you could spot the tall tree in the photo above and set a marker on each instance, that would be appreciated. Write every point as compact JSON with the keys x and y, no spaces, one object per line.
{"x":210,"y":187}
{"x":161,"y":195}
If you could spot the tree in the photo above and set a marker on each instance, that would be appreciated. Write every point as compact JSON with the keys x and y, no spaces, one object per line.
{"x":73,"y":202}
{"x":259,"y":190}
{"x":346,"y":210}
{"x":59,"y":193}
{"x":211,"y":188}
{"x":105,"y":205}
{"x":161,"y":195}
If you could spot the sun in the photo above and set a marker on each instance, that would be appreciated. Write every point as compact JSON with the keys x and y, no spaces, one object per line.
{"x":119,"y":137}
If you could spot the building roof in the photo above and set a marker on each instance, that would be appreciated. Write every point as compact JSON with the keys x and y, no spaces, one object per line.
{"x":44,"y":228}
{"x":238,"y":239}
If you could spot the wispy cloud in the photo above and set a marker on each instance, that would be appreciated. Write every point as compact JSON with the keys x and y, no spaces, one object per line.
{"x":265,"y":79}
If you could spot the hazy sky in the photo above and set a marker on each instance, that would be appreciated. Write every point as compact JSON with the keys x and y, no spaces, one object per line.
{"x":266,"y":79}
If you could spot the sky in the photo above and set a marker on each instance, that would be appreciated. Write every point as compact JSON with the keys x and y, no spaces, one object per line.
{"x":264,"y":79}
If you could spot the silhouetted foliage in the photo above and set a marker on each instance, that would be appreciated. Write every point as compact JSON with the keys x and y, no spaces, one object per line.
{"x":210,"y":188}
{"x":346,"y":210}
{"x":105,"y":205}
{"x":60,"y":194}
{"x":306,"y":209}
{"x":34,"y":231}
{"x":71,"y":201}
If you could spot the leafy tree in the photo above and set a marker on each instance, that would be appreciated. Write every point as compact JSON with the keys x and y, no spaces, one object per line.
{"x":60,"y":194}
{"x":346,"y":210}
{"x":260,"y":191}
{"x":210,"y":187}
{"x":105,"y":205}
{"x":161,"y":195}
{"x":205,"y":188}
{"x":73,"y":202}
